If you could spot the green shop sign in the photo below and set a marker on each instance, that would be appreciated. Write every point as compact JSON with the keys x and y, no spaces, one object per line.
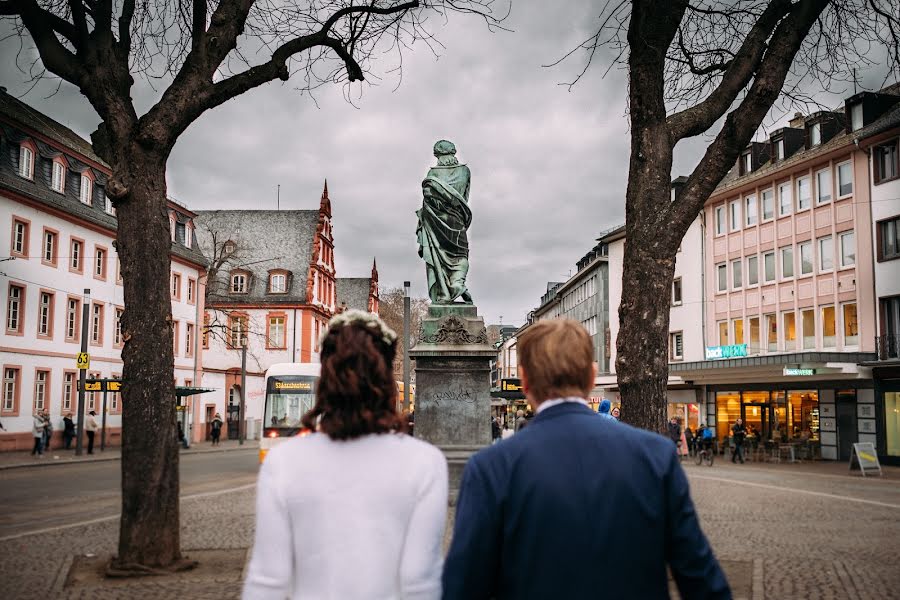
{"x":733,"y":351}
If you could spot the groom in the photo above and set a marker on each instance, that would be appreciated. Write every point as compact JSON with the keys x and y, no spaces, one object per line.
{"x":547,"y":513}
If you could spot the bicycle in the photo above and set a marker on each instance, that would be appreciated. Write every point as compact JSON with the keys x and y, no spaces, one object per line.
{"x":705,"y":454}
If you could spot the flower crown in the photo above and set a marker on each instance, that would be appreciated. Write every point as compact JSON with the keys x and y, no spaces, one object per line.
{"x":366,"y":319}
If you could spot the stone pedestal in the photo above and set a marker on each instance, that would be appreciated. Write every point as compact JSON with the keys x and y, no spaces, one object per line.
{"x":453,"y":384}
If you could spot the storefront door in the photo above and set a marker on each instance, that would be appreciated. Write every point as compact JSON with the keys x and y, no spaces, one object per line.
{"x":756,"y":419}
{"x":846,"y":426}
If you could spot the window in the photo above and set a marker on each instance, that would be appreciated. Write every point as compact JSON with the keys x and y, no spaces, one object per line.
{"x":97,"y":323}
{"x":238,"y":331}
{"x":848,"y":249}
{"x":736,"y":274}
{"x":175,"y":331}
{"x":45,"y":314}
{"x":86,"y":190}
{"x":10,"y":389}
{"x":769,"y":266}
{"x":722,"y":273}
{"x":746,"y":163}
{"x":826,"y":254}
{"x":845,"y":179}
{"x":676,"y":291}
{"x":188,"y":235}
{"x":191,"y":290}
{"x":850,"y":324}
{"x":41,"y":379}
{"x":114,"y":400}
{"x":751,"y":213}
{"x":68,"y":396}
{"x":90,"y":398}
{"x":73,"y":307}
{"x":735,"y":215}
{"x":99,"y":263}
{"x":771,"y":333}
{"x":779,"y":149}
{"x":752,"y":270}
{"x":804,"y":194}
{"x":189,"y":339}
{"x":278,"y":283}
{"x":809,"y":328}
{"x":238,"y":283}
{"x":806,"y":258}
{"x":789,"y":321}
{"x":48,"y":249}
{"x":15,"y":304}
{"x":676,"y":346}
{"x":26,"y":162}
{"x":109,"y":207}
{"x":723,"y":333}
{"x":720,"y":220}
{"x":885,"y":159}
{"x":58,"y":179}
{"x":823,"y":186}
{"x":889,"y":239}
{"x":738,"y":330}
{"x":829,"y":328}
{"x":176,"y":286}
{"x":787,"y":262}
{"x":815,"y":134}
{"x":856,"y":116}
{"x":276,"y":332}
{"x":19,"y":245}
{"x":117,"y":340}
{"x":768,"y":205}
{"x":784,"y":199}
{"x":754,"y":334}
{"x":75,"y":249}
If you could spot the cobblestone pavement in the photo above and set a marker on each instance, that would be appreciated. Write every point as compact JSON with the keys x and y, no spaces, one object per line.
{"x":806,"y":535}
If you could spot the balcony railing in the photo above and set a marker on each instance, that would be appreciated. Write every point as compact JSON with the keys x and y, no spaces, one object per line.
{"x":888,"y":346}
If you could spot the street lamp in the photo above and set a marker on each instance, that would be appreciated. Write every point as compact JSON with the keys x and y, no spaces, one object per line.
{"x":82,"y":373}
{"x":406,"y":347}
{"x":242,"y":433}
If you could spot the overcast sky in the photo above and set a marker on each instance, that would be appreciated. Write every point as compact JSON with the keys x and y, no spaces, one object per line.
{"x":549,"y":165}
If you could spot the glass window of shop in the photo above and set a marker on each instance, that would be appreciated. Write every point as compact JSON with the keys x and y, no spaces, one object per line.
{"x":688,"y":415}
{"x":756,"y":413}
{"x":803,"y":414}
{"x":780,"y":415}
{"x":892,"y":423}
{"x":728,"y":408}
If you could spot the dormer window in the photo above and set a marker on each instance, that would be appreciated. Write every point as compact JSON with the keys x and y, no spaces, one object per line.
{"x":277,"y":283}
{"x":856,"y":116}
{"x":779,"y":149}
{"x":188,"y":235}
{"x":745,"y":163}
{"x":109,"y":208}
{"x":26,"y":162}
{"x":58,"y":179}
{"x":228,"y":248}
{"x":815,"y":135}
{"x":87,"y":189}
{"x":239,"y":282}
{"x":172,"y":227}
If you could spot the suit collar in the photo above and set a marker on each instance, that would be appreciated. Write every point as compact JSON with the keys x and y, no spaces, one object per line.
{"x":559,"y":410}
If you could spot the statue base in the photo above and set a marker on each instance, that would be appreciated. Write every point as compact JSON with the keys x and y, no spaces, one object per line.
{"x":453,"y":384}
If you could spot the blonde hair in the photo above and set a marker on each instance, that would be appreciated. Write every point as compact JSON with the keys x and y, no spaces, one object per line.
{"x":557,"y":357}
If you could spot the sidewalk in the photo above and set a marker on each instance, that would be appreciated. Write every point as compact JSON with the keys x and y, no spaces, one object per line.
{"x":60,"y":456}
{"x":809,"y":467}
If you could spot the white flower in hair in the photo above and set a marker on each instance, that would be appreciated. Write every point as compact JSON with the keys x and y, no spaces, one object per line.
{"x":366,"y":319}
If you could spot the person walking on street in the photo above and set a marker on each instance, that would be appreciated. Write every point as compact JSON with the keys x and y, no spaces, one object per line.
{"x":496,"y":433}
{"x":37,"y":431}
{"x":615,"y":412}
{"x":674,"y":431}
{"x":48,"y":430}
{"x":68,"y":430}
{"x":91,"y":427}
{"x":521,"y":503}
{"x":738,"y":432}
{"x":603,"y":410}
{"x":215,"y":429}
{"x":521,"y":421}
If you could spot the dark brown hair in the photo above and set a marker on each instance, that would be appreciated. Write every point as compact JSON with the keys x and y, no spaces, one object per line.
{"x":356,"y":394}
{"x":558,"y":357}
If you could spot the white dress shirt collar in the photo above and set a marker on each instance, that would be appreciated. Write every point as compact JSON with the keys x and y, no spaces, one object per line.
{"x":550,"y":403}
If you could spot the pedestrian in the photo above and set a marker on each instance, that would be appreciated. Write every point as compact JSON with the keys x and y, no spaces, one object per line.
{"x":674,"y":432}
{"x":496,"y":433}
{"x":181,"y":438}
{"x":215,"y":429}
{"x":615,"y":412}
{"x":603,"y":411}
{"x":738,"y":432}
{"x":37,"y":431}
{"x":521,"y":421}
{"x":575,"y":487}
{"x":48,"y":430}
{"x":689,"y":438}
{"x":91,"y":427}
{"x":68,"y":430}
{"x":356,"y":492}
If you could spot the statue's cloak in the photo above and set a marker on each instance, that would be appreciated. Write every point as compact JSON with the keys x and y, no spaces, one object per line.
{"x":443,"y":220}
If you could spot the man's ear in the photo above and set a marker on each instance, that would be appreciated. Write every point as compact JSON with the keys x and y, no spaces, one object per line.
{"x":523,"y":379}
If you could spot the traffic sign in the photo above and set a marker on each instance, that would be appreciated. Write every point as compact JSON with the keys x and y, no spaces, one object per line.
{"x":83,"y":360}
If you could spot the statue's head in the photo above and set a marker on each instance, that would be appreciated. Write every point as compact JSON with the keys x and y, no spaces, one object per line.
{"x":444,"y":148}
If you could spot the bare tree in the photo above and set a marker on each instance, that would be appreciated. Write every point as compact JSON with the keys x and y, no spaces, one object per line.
{"x":390,"y":309}
{"x":198,"y":50}
{"x":690,"y":63}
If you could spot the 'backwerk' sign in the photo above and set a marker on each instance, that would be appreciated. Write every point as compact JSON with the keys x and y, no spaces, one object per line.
{"x":734,"y":351}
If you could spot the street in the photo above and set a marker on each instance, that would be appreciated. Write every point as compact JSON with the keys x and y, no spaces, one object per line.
{"x":780,"y":531}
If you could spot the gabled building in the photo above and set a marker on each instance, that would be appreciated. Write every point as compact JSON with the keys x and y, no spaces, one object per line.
{"x":359,"y":293}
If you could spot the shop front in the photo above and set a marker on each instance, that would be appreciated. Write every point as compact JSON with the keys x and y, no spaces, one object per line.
{"x":887,"y":407}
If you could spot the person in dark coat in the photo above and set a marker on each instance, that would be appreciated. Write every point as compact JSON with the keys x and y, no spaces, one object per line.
{"x":496,"y":433}
{"x":738,"y":433}
{"x":68,"y":430}
{"x":215,"y":429}
{"x":571,"y":486}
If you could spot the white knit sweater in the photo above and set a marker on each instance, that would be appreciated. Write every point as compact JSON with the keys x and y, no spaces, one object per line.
{"x":349,"y":520}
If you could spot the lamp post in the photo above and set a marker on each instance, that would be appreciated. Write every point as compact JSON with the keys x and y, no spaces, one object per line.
{"x":82,"y":373}
{"x":406,"y":346}
{"x":242,"y":433}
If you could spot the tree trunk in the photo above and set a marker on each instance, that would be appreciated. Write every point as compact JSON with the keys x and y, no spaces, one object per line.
{"x":149,"y":533}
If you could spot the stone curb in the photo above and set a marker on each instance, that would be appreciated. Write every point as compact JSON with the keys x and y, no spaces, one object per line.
{"x":52,"y":463}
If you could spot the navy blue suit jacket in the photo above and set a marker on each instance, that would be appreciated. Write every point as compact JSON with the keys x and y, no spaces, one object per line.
{"x":575,"y":506}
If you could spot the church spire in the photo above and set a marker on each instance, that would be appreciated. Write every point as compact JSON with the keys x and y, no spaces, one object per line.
{"x":325,"y":202}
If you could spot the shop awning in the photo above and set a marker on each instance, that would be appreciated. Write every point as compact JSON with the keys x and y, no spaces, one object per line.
{"x":795,"y":366}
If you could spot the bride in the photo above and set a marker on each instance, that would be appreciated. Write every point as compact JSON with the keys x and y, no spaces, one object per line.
{"x":356,"y":509}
